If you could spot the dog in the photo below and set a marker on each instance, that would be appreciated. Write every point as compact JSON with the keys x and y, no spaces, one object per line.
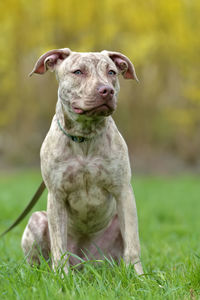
{"x":85,"y":166}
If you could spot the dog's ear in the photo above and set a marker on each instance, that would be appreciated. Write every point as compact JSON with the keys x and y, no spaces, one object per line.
{"x":49,"y":60}
{"x":123,"y":64}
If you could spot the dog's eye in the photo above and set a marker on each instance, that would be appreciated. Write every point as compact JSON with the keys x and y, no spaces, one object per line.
{"x":78,"y":72}
{"x":111,"y":72}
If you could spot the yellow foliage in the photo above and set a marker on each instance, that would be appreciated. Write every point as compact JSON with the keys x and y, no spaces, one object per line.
{"x":193,"y":94}
{"x":156,"y":35}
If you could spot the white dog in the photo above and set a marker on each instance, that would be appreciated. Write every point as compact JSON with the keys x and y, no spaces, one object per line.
{"x":85,"y":165}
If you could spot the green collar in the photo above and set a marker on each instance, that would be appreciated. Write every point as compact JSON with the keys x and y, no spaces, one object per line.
{"x":77,"y":139}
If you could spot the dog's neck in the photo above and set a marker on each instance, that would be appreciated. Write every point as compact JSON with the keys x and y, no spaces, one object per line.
{"x":82,"y":126}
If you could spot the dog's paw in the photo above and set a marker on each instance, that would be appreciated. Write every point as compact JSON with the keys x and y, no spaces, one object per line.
{"x":138,"y":268}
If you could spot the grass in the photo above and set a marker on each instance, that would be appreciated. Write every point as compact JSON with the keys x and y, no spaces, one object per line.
{"x":169,"y":224}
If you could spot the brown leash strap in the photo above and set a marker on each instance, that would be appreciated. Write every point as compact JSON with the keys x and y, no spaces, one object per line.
{"x":33,"y":201}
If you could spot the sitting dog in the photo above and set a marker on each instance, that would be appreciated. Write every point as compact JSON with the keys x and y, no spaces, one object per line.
{"x":85,"y":166}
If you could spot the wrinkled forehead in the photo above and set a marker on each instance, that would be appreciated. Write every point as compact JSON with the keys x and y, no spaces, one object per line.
{"x":89,"y":60}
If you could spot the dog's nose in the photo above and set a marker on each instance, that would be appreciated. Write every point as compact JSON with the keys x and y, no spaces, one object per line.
{"x":106,"y":91}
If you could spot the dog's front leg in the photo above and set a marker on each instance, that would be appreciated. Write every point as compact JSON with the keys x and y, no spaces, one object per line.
{"x":127,"y":213}
{"x":57,"y":221}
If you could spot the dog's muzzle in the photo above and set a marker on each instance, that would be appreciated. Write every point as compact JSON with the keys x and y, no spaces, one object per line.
{"x":104,"y":105}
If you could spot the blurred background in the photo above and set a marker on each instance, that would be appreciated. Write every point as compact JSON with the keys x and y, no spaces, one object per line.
{"x":159,"y":117}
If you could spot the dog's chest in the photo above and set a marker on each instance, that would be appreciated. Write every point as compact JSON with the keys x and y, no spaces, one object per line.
{"x":88,"y":183}
{"x":88,"y":173}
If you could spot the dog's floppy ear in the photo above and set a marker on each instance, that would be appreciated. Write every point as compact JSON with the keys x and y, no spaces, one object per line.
{"x":123,"y":64}
{"x":49,"y":60}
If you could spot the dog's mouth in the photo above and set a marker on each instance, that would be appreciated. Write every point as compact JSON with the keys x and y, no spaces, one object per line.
{"x":102,"y":109}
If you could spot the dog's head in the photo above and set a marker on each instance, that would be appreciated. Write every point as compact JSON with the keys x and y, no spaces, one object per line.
{"x":88,"y":82}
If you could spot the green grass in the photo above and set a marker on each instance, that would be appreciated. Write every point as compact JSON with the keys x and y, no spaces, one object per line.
{"x":169,"y":224}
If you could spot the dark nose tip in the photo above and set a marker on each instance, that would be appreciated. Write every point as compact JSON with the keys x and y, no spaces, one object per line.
{"x":106,"y":91}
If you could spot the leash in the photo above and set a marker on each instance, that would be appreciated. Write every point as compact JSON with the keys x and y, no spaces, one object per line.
{"x":33,"y":201}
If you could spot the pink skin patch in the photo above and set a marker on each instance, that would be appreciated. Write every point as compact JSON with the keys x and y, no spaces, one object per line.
{"x":78,"y":110}
{"x":101,"y":108}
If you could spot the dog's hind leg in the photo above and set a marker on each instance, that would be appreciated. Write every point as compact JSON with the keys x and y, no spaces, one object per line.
{"x":35,"y":240}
